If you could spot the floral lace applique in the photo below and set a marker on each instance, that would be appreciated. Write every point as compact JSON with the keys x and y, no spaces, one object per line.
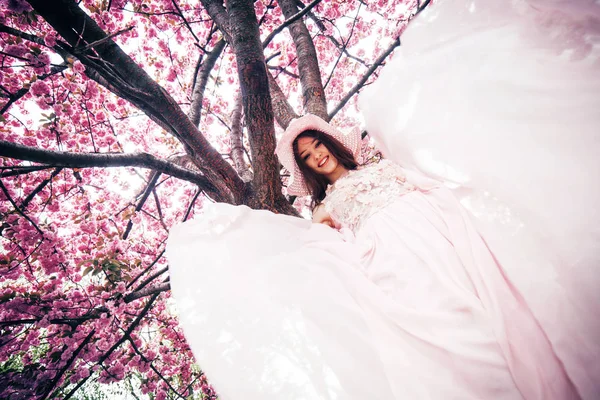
{"x":362,"y":192}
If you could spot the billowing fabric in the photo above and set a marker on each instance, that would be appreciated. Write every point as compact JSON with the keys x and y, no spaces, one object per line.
{"x":472,"y":271}
{"x":503,"y":102}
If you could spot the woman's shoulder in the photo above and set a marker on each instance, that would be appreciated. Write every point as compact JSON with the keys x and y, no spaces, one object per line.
{"x":380,"y":165}
{"x":364,"y":174}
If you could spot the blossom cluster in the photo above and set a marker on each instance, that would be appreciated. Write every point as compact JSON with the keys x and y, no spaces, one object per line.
{"x":82,"y":266}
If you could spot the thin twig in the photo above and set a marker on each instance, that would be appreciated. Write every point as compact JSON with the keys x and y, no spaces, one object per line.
{"x":343,"y":48}
{"x":130,"y":329}
{"x":185,"y":20}
{"x":283,"y":71}
{"x":380,"y":60}
{"x":23,"y":91}
{"x":39,"y":188}
{"x":272,"y":56}
{"x":140,"y":204}
{"x":191,"y":205}
{"x":289,"y":21}
{"x":143,"y":357}
{"x":64,"y":369}
{"x":159,"y":210}
{"x":99,"y":42}
{"x":18,"y":209}
{"x":146,"y":269}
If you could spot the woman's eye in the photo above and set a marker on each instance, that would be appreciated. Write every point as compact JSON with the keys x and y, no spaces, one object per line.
{"x":305,"y":158}
{"x":318,"y":143}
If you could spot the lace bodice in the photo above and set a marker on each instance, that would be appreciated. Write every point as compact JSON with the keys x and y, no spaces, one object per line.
{"x":362,"y":192}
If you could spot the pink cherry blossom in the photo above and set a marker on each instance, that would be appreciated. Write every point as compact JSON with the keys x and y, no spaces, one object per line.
{"x":102,"y":239}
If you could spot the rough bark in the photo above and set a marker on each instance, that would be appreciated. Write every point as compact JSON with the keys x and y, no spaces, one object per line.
{"x":256,"y":100}
{"x":282,"y":109}
{"x":218,"y":14}
{"x":308,"y":65}
{"x":202,"y":80}
{"x":124,"y":77}
{"x":106,"y":160}
{"x":236,"y":137}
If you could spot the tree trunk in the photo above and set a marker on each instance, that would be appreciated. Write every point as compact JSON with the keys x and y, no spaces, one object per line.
{"x":308,"y":65}
{"x":258,"y":111}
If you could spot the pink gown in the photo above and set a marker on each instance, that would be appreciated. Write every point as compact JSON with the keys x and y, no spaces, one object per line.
{"x":468,"y":266}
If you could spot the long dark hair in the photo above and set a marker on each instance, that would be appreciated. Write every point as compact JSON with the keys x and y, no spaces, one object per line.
{"x":317,"y":184}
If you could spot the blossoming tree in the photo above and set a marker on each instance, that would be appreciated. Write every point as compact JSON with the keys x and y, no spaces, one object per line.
{"x":118,"y":119}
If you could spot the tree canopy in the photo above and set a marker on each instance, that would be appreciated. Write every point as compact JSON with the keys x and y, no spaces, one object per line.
{"x":118,"y":120}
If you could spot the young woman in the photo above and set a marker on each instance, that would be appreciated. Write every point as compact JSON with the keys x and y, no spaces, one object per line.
{"x":464,"y":265}
{"x":418,"y":246}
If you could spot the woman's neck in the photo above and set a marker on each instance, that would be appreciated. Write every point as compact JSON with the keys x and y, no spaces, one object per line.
{"x":338,"y":173}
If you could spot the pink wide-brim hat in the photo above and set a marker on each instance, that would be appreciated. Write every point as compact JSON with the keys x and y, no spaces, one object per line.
{"x":285,"y":151}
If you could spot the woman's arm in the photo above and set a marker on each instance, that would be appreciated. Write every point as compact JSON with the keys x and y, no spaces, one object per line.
{"x":320,"y":216}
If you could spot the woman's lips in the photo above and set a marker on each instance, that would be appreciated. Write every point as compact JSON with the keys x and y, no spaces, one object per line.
{"x":323,"y":161}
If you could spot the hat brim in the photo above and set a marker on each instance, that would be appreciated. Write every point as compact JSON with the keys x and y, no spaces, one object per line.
{"x":285,"y":151}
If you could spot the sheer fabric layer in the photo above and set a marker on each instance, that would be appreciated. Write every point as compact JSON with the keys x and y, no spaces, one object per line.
{"x":500,"y":101}
{"x":485,"y":290}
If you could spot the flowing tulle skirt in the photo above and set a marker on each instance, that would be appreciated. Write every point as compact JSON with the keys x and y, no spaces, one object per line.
{"x":485,"y":287}
{"x":500,"y":99}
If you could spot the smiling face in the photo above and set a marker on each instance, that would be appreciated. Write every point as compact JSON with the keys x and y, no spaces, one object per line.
{"x":319,"y":159}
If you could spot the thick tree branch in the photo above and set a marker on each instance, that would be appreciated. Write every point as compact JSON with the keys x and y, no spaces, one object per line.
{"x":308,"y":64}
{"x":150,"y":279}
{"x":282,"y":109}
{"x":236,"y":137}
{"x":147,"y":291}
{"x":87,"y":160}
{"x":217,"y":12}
{"x":202,"y":80}
{"x":125,"y":78}
{"x":359,"y":85}
{"x":20,"y":170}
